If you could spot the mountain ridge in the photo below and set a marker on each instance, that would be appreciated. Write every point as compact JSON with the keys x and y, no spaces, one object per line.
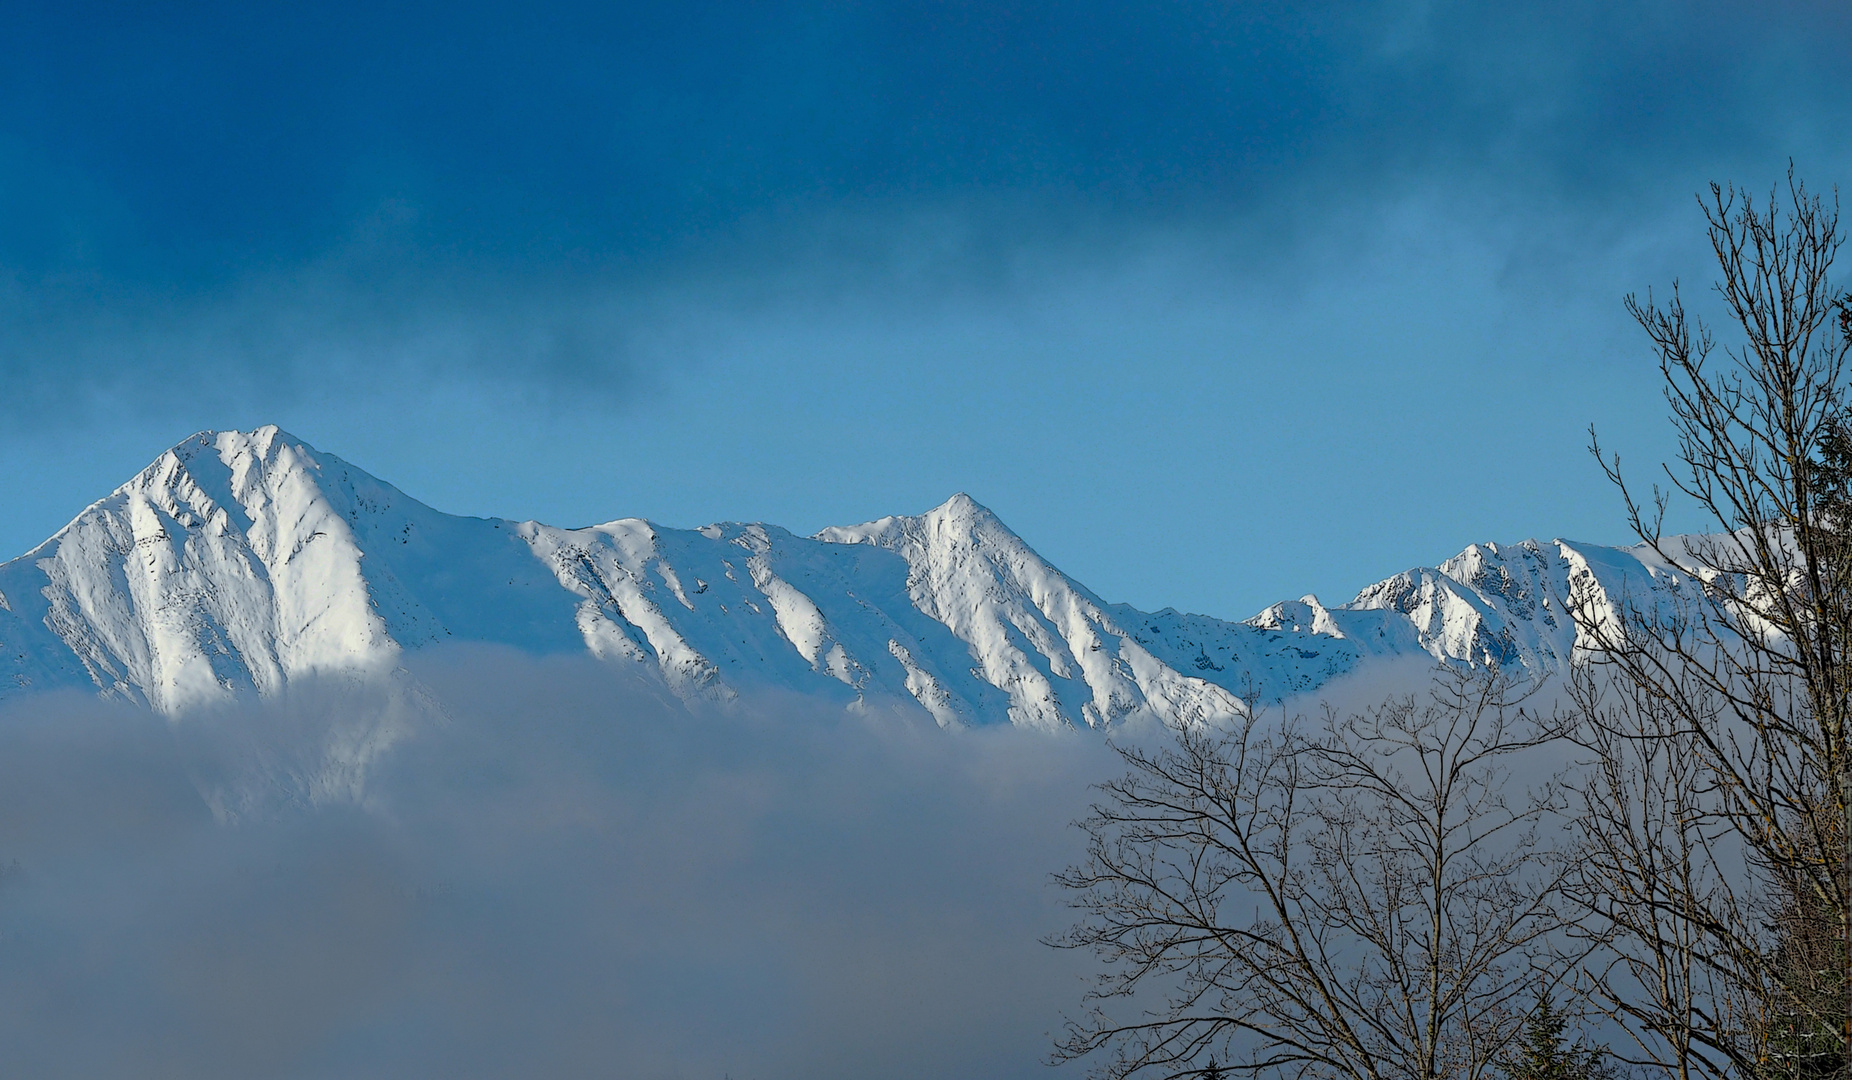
{"x":239,"y":562}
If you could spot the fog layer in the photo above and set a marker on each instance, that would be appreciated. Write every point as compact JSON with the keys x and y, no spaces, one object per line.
{"x":554,"y":874}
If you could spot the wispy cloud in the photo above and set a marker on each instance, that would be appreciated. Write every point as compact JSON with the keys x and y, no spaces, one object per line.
{"x":231,"y":200}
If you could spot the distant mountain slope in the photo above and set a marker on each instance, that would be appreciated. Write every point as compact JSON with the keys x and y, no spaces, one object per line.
{"x":238,"y":562}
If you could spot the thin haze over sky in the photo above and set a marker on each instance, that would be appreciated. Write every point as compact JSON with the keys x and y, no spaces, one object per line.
{"x":1215,"y":304}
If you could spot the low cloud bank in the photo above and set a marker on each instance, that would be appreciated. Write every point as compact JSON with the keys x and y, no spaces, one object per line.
{"x":559,"y":874}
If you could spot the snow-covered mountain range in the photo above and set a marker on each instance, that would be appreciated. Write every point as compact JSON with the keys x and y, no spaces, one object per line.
{"x":239,"y":562}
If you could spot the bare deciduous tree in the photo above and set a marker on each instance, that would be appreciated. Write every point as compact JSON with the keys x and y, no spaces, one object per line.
{"x":1364,"y":897}
{"x":1721,"y":723}
{"x":1660,"y":877}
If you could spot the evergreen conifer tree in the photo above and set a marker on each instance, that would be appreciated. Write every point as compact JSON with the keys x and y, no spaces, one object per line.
{"x":1545,"y":1053}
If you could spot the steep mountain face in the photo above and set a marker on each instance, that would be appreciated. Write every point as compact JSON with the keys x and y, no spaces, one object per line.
{"x":239,"y":562}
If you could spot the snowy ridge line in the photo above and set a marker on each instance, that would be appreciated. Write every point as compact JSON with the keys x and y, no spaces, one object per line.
{"x":240,"y":561}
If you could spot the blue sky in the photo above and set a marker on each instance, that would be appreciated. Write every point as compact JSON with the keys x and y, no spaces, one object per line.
{"x":1215,"y":304}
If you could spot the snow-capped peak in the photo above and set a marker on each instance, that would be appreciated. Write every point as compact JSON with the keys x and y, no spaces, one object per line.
{"x":240,"y":561}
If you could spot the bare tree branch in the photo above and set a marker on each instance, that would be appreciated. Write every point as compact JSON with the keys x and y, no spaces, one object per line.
{"x":1716,"y":813}
{"x":1358,"y":897}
